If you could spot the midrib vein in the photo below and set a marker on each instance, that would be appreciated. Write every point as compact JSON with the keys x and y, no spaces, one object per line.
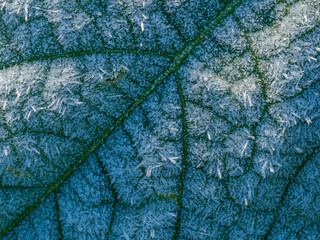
{"x":177,"y":61}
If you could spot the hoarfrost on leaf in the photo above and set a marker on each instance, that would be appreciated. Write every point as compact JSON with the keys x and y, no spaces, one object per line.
{"x":159,"y":119}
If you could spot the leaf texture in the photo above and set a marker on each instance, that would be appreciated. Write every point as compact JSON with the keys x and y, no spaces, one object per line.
{"x":159,"y":119}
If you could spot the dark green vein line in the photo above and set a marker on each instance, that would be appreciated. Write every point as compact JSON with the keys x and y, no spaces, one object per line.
{"x":177,"y":61}
{"x":286,"y":190}
{"x":114,"y":205}
{"x":265,"y":111}
{"x":51,"y":133}
{"x":136,"y":152}
{"x":4,"y":34}
{"x":262,"y":81}
{"x":263,"y":87}
{"x":84,"y":53}
{"x":167,"y":16}
{"x":57,"y":209}
{"x":184,"y":158}
{"x":113,"y":193}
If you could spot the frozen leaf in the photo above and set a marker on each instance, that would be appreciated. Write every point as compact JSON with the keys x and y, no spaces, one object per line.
{"x":168,"y":119}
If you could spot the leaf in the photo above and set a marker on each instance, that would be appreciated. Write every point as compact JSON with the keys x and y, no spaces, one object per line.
{"x":159,"y":120}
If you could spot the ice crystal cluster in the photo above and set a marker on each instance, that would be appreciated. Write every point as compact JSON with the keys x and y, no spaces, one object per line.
{"x":175,"y":119}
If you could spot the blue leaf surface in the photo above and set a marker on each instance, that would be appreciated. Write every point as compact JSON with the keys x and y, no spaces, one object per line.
{"x":173,"y":119}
